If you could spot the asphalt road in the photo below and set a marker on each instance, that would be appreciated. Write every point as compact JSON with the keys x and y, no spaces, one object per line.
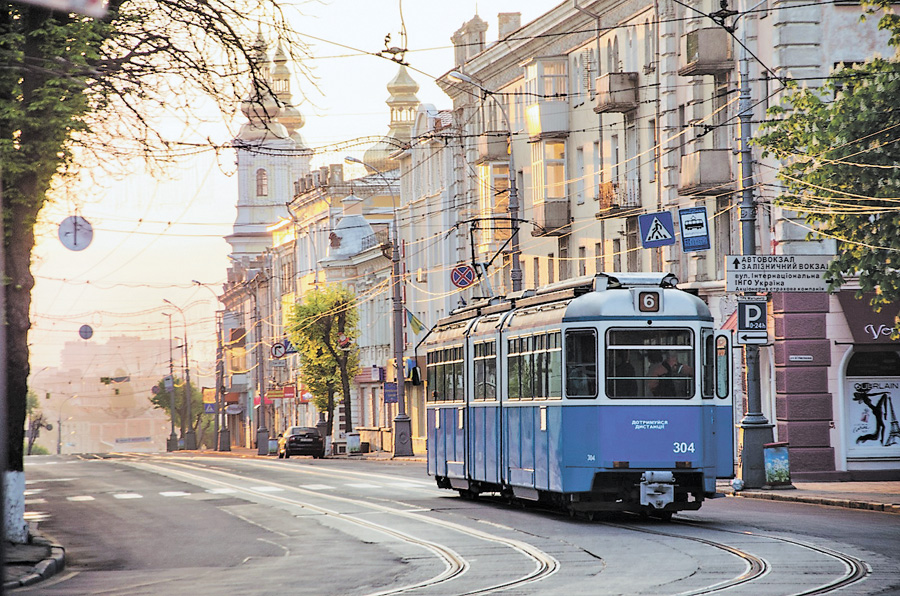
{"x":176,"y":524}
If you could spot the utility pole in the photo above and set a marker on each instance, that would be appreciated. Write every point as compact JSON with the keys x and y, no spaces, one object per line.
{"x":755,"y":430}
{"x":190,"y":438}
{"x":402,"y":422}
{"x":262,"y":433}
{"x":172,"y":443}
{"x":515,"y":273}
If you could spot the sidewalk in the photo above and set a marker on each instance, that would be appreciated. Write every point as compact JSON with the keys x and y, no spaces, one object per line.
{"x":27,"y":564}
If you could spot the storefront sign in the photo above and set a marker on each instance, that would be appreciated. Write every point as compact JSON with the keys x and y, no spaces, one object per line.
{"x":866,"y":325}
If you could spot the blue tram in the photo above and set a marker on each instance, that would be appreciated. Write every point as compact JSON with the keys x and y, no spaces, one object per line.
{"x":611,"y":392}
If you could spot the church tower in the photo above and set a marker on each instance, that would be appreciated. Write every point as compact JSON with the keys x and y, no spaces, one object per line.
{"x":271,"y":155}
{"x":404,"y":104}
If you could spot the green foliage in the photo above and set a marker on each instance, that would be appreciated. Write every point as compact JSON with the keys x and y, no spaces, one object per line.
{"x":201,"y":423}
{"x":324,"y":329}
{"x":840,"y":147}
{"x":36,"y":449}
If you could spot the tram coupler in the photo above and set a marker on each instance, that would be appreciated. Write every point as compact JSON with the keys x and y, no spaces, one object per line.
{"x":657,"y":488}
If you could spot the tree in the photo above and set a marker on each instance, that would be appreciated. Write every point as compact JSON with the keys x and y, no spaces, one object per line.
{"x":35,"y":421}
{"x":323,"y":327}
{"x":839,"y":147}
{"x":77,"y":91}
{"x":200,"y":422}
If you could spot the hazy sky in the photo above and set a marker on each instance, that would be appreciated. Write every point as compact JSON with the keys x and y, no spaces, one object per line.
{"x":153,"y":237}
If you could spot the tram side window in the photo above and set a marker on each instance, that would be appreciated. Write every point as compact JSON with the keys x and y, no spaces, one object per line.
{"x":445,"y":375}
{"x":486,"y":371}
{"x":581,"y":363}
{"x":512,"y":369}
{"x":708,"y":374}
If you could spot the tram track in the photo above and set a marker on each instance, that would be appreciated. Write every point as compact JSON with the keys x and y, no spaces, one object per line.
{"x":856,"y":569}
{"x":757,"y":567}
{"x":455,"y":565}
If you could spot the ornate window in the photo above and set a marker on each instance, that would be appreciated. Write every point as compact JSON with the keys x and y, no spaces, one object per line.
{"x":262,"y":183}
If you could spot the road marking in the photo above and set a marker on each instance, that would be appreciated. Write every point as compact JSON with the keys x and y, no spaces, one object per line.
{"x":316,"y":487}
{"x":363,"y":485}
{"x":80,"y":498}
{"x":175,"y":493}
{"x":37,"y":501}
{"x":221,"y":491}
{"x":128,"y":496}
{"x":33,"y":491}
{"x":267,"y":489}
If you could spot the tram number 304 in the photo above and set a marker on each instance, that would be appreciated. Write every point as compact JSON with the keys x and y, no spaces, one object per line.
{"x":682,"y":447}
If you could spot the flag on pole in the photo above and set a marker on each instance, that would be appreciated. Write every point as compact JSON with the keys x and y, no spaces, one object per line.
{"x":414,"y":323}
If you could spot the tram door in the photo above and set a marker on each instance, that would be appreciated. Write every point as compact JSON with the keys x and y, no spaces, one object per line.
{"x":718,"y":361}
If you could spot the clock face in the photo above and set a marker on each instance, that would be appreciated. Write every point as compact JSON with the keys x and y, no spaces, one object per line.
{"x":75,"y":232}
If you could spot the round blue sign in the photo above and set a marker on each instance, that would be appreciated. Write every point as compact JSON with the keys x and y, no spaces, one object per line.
{"x":86,"y":332}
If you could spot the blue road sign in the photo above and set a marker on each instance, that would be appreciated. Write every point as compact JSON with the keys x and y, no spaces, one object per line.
{"x":694,"y":229}
{"x":657,"y":229}
{"x":390,"y":393}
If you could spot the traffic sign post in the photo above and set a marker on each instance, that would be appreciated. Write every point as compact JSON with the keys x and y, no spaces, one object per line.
{"x":462,"y":276}
{"x":694,"y":229}
{"x":657,"y":229}
{"x":752,"y":320}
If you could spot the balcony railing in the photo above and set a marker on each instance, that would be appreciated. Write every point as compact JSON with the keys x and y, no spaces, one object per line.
{"x":493,"y":146}
{"x":379,"y":238}
{"x":706,"y":172}
{"x":706,"y":51}
{"x":547,"y":119}
{"x":619,"y":195}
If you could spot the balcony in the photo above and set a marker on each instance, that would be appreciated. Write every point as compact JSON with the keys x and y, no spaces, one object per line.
{"x":493,"y":146}
{"x":706,"y":172}
{"x":616,"y":92}
{"x":618,"y":196}
{"x":552,"y":217}
{"x":547,"y":119}
{"x":706,"y":52}
{"x":381,"y":237}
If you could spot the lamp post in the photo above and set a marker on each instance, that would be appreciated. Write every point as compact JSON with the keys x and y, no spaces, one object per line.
{"x":515,"y":273}
{"x":59,"y":425}
{"x":223,"y":437}
{"x":190,"y":438}
{"x":402,"y":423}
{"x":172,"y":443}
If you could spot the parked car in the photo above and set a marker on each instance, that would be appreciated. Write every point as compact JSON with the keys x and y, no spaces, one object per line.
{"x":301,"y":440}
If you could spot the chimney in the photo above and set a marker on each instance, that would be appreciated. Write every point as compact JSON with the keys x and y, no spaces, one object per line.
{"x":335,"y":173}
{"x":507,"y":23}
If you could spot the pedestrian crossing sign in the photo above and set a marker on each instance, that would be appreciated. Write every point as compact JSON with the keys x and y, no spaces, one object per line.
{"x":657,"y":229}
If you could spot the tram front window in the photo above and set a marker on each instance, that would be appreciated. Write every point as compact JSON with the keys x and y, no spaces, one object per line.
{"x":581,"y":363}
{"x":655,"y":363}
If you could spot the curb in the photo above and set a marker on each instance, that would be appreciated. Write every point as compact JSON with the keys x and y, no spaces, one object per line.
{"x":45,"y":569}
{"x":826,"y":501}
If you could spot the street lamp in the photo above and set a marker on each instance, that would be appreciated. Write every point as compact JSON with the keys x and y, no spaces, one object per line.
{"x":402,"y":423}
{"x":190,"y":439}
{"x":223,"y":437}
{"x":515,"y":273}
{"x":172,"y":443}
{"x":59,"y":425}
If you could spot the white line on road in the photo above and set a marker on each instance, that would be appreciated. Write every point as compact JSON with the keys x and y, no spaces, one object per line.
{"x":80,"y":498}
{"x":128,"y":496}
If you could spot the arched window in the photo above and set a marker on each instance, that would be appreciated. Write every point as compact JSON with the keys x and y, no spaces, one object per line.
{"x":262,"y":183}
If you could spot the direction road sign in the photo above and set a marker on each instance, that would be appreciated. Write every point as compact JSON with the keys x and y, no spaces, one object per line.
{"x":752,"y":337}
{"x":657,"y":229}
{"x":776,"y":273}
{"x":462,"y":276}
